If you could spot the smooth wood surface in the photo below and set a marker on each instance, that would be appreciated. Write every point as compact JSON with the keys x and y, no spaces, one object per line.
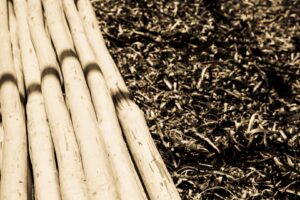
{"x":127,"y":181}
{"x":39,"y":137}
{"x":96,"y":165}
{"x":71,"y":177}
{"x":153,"y":171}
{"x":14,"y":157}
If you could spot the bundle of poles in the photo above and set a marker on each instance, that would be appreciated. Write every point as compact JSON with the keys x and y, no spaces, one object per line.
{"x":69,"y":129}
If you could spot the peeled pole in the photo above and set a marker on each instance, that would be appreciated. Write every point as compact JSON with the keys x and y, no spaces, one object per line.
{"x":14,"y":157}
{"x":86,"y":138}
{"x":71,"y":176}
{"x":39,"y":137}
{"x":96,"y":165}
{"x":127,"y":180}
{"x":155,"y":176}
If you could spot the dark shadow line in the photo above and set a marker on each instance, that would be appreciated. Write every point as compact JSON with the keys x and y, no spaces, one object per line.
{"x":67,"y":53}
{"x":50,"y":71}
{"x":121,"y":98}
{"x":33,"y":88}
{"x":8,"y":77}
{"x":87,"y":69}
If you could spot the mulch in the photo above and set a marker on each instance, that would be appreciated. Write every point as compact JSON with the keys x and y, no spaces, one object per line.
{"x":219,"y":83}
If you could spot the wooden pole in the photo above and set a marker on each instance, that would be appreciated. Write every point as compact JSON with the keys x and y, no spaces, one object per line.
{"x":40,"y":141}
{"x":71,"y":176}
{"x":20,"y":79}
{"x":94,"y":155}
{"x":153,"y":171}
{"x":127,"y":181}
{"x":14,"y":161}
{"x":16,"y":50}
{"x":1,"y":142}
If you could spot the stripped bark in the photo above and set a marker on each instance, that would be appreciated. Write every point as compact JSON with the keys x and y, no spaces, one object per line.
{"x":127,"y":181}
{"x":16,"y":50}
{"x":20,"y":80}
{"x":94,"y":156}
{"x":71,"y":176}
{"x":40,"y":141}
{"x":14,"y":161}
{"x":154,"y":173}
{"x":1,"y":143}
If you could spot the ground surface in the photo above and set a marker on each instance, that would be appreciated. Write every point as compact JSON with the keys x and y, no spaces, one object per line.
{"x":219,"y":82}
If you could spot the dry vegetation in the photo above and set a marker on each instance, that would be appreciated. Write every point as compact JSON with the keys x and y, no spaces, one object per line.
{"x":219,"y":83}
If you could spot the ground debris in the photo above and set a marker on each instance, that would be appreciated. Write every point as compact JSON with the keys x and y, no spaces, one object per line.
{"x":219,"y":84}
